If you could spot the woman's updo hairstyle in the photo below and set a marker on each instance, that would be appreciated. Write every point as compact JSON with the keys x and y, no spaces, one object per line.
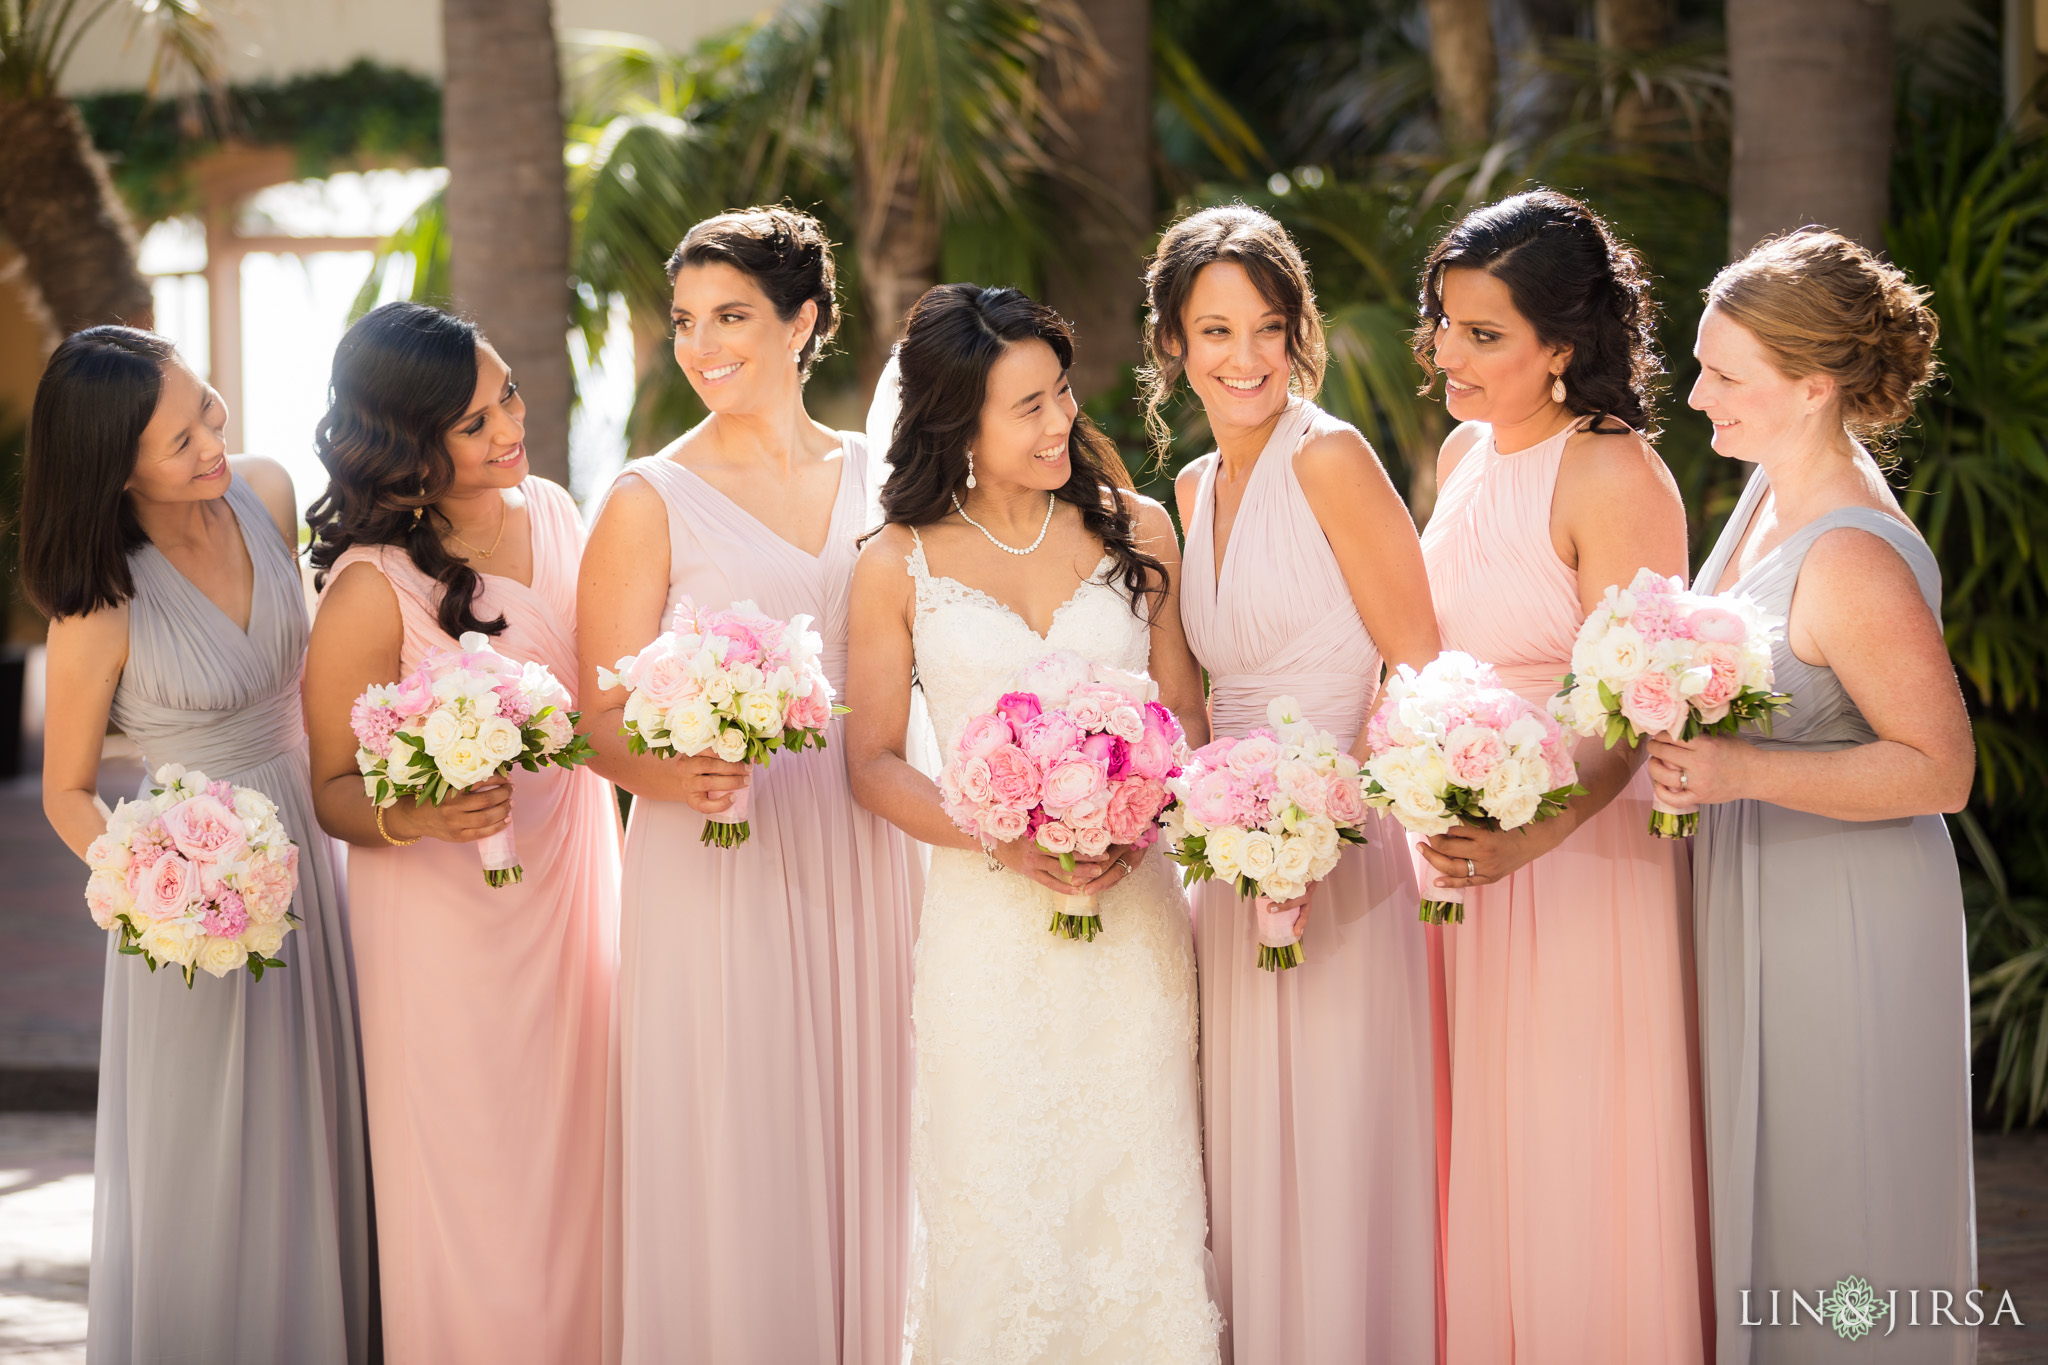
{"x":1576,"y":283}
{"x":403,"y":377}
{"x":1255,"y":241}
{"x":1819,"y":303}
{"x":785,"y":251}
{"x":952,"y":339}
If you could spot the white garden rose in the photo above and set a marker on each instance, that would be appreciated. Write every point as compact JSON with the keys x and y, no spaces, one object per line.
{"x":1524,"y":734}
{"x":718,"y":689}
{"x":558,"y":730}
{"x":1296,"y":858}
{"x":1617,"y":657}
{"x":1226,"y":852}
{"x":694,"y":725}
{"x":172,"y":941}
{"x":1514,"y":808}
{"x":251,"y":804}
{"x":761,"y":711}
{"x":730,"y":746}
{"x":747,"y":678}
{"x":464,"y":763}
{"x":264,"y":937}
{"x":219,"y":956}
{"x":108,"y":853}
{"x":440,"y":729}
{"x":370,"y":788}
{"x":1422,"y":811}
{"x":499,"y":739}
{"x":1261,"y":855}
{"x":1321,"y":834}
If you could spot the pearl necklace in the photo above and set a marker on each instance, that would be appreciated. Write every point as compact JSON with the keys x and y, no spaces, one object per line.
{"x":1050,"y":503}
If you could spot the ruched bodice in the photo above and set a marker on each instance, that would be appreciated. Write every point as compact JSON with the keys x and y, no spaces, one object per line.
{"x":1258,"y":644}
{"x":1822,"y":714}
{"x":1501,"y":592}
{"x":198,"y":691}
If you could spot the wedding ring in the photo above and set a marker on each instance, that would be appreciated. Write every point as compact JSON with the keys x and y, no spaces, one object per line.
{"x":1471,"y":868}
{"x":1122,"y":864}
{"x":1682,"y":776}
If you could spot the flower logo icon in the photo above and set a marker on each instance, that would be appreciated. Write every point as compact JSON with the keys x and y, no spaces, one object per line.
{"x":1854,"y":1308}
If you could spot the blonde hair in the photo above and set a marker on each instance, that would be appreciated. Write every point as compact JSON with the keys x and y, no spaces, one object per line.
{"x":1822,"y":304}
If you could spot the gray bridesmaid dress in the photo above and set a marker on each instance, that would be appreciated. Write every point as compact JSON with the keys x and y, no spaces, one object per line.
{"x":230,"y":1215}
{"x":1834,"y":1031}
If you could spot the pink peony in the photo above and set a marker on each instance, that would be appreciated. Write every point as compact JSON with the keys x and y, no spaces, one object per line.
{"x":1725,"y":660}
{"x":1473,"y":753}
{"x":1071,"y":778}
{"x":227,"y":916}
{"x":1013,"y":781}
{"x":1162,"y":721}
{"x":1651,"y":703}
{"x":1213,"y":797}
{"x":985,"y":734}
{"x":1152,"y":755}
{"x":206,"y":830}
{"x":1300,"y":783}
{"x":1004,"y":825}
{"x":1049,"y":735}
{"x":414,"y":695}
{"x":1718,"y":625}
{"x":167,"y":892}
{"x":1255,"y":753}
{"x":1563,"y":770}
{"x":1056,"y":837}
{"x":1112,"y":753}
{"x":1053,"y":677}
{"x":811,"y":711}
{"x":1376,"y":738}
{"x":1132,"y":806}
{"x":1216,"y":753}
{"x":101,"y":899}
{"x":974,"y":782}
{"x":1018,"y":708}
{"x":1344,"y":802}
{"x":742,"y":645}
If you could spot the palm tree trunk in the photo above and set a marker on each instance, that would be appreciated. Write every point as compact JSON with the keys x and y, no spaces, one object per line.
{"x":1813,"y":117}
{"x":508,"y":214}
{"x":1461,"y":55}
{"x":1633,"y":25}
{"x":896,"y":242}
{"x":63,"y":215}
{"x":1095,"y":279}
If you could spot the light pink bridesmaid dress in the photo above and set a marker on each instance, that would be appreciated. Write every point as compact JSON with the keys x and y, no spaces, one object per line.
{"x":485,"y":1016}
{"x":762,"y":1171}
{"x":1318,"y":1112}
{"x":1576,"y":1202}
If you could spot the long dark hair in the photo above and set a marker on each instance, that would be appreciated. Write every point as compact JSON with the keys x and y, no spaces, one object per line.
{"x":1576,"y":282}
{"x":785,"y":251}
{"x":78,"y":524}
{"x":403,"y":375}
{"x":953,"y":337}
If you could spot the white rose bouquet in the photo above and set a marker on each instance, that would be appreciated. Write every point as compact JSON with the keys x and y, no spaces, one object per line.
{"x":1654,"y":659}
{"x":200,"y":874}
{"x":1271,"y":813}
{"x":1450,"y":745}
{"x":461,"y":717}
{"x":733,"y":683}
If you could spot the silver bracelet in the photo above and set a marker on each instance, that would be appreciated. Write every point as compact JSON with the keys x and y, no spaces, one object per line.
{"x":988,"y":855}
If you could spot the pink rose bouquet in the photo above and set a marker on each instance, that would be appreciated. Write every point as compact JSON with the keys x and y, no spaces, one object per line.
{"x":1654,"y":659}
{"x":1271,"y":812}
{"x":1450,"y":745}
{"x":461,"y":717}
{"x":732,"y":683}
{"x":199,"y":874}
{"x":1078,"y":756}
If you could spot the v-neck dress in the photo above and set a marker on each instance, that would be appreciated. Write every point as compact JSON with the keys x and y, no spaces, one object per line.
{"x":486,"y":1020}
{"x":761,"y":1174}
{"x":1834,"y":1021}
{"x":1317,"y":1094}
{"x":230,"y":1206}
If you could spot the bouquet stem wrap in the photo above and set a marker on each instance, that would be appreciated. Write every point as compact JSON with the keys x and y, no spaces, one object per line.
{"x":1076,"y":917}
{"x":500,"y":855}
{"x":1667,"y":823}
{"x":1279,"y":935}
{"x":728,"y":828}
{"x":1445,"y":905}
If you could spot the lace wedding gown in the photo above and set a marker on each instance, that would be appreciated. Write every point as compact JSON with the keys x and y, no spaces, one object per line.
{"x":1055,"y":1148}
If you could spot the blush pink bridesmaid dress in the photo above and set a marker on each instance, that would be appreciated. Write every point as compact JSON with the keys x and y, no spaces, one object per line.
{"x":1318,"y":1111}
{"x":485,"y":1017}
{"x":1575,"y":1225}
{"x":761,"y":1172}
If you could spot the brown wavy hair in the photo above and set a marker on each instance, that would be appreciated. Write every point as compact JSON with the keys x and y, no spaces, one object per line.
{"x":1819,"y":303}
{"x":1255,"y":241}
{"x":953,"y":337}
{"x":1576,"y":283}
{"x":785,"y":251}
{"x":403,"y":376}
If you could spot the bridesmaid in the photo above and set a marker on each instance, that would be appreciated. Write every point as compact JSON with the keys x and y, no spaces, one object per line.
{"x":1574,"y":1225}
{"x":1834,"y":995}
{"x":485,"y":1011}
{"x":230,"y":1217}
{"x":1302,"y":565}
{"x":761,"y":1179}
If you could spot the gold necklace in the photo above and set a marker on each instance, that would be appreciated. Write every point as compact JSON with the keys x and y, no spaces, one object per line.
{"x":504,"y":515}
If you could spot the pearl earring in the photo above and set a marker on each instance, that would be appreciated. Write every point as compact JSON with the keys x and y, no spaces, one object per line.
{"x":1557,"y":389}
{"x":970,"y":467}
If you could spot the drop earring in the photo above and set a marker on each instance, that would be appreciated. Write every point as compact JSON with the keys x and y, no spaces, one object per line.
{"x":970,"y":467}
{"x":1557,"y":389}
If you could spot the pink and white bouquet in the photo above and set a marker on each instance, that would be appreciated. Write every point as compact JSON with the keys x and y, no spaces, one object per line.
{"x":732,"y":683}
{"x":464,"y":716}
{"x":1271,"y":813}
{"x":199,"y":874}
{"x":1450,"y":745}
{"x":1077,"y":755}
{"x":1654,"y":659}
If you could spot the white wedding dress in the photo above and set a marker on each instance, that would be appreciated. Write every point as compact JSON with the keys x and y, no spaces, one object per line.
{"x":1056,"y":1131}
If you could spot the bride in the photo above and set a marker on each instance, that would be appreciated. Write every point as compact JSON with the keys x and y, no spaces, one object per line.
{"x":1055,"y":1150}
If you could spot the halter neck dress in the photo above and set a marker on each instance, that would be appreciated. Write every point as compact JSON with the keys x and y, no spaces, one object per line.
{"x":230,"y":1205}
{"x":1575,"y":1219}
{"x":761,"y":1173}
{"x":486,"y":1020}
{"x":1318,"y":1111}
{"x":1834,"y":1021}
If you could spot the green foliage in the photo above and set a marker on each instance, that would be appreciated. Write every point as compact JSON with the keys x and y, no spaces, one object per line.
{"x":364,"y":114}
{"x":39,"y":37}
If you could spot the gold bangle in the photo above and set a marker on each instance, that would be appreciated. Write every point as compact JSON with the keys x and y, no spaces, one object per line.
{"x":395,"y":843}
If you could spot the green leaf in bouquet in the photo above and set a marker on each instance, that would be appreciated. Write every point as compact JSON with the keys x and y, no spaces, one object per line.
{"x":1616,"y":727}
